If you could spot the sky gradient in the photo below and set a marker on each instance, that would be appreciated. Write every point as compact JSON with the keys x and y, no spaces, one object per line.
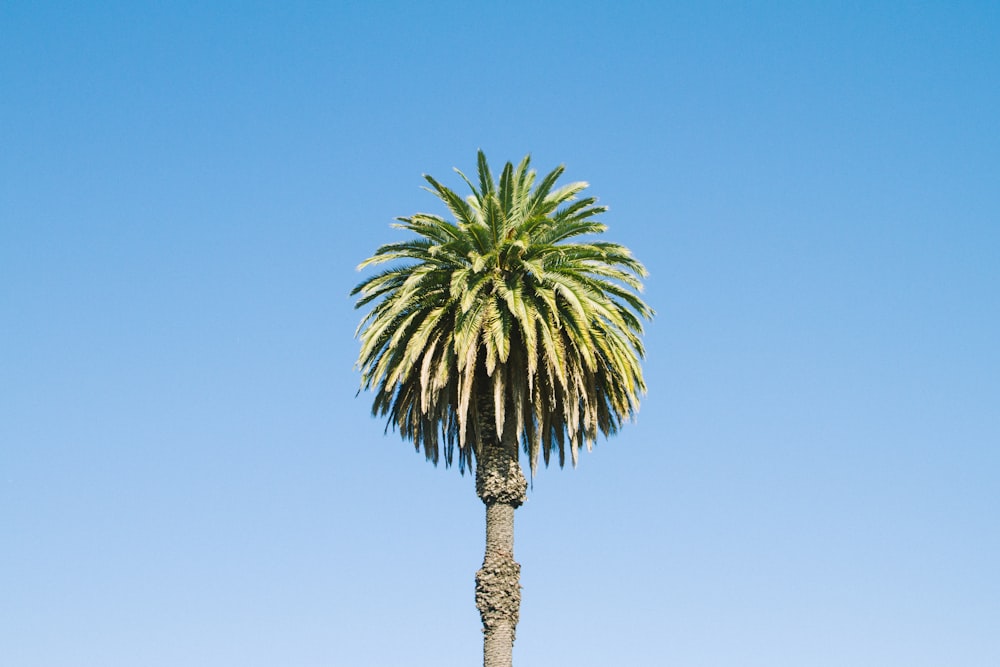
{"x":187,"y":476}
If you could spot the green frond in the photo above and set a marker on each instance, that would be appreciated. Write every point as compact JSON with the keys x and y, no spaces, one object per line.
{"x":458,"y":206}
{"x":495,"y":220}
{"x":475,"y":193}
{"x":566,"y":193}
{"x":486,"y":185}
{"x":468,"y":287}
{"x":540,"y":198}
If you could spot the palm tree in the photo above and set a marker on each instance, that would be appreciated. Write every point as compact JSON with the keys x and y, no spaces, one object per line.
{"x":501,"y":331}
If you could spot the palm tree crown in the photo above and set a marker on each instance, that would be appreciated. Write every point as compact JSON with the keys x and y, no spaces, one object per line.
{"x":503,"y":316}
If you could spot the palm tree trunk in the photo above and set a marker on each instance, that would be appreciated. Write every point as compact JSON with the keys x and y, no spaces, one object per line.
{"x":501,"y":485}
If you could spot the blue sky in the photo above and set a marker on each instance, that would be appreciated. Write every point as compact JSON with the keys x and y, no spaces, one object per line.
{"x":187,"y":477}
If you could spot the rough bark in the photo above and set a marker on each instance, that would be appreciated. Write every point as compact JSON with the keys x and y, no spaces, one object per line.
{"x":501,"y":485}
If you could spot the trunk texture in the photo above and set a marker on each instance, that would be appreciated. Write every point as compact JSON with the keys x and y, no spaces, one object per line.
{"x":501,"y":485}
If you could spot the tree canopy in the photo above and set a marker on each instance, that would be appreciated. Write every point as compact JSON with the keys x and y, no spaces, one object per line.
{"x":511,"y":302}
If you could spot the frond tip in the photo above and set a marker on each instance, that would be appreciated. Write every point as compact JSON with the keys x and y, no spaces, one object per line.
{"x":504,"y":323}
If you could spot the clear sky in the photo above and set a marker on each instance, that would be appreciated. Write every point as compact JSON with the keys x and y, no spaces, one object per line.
{"x":187,"y":477}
